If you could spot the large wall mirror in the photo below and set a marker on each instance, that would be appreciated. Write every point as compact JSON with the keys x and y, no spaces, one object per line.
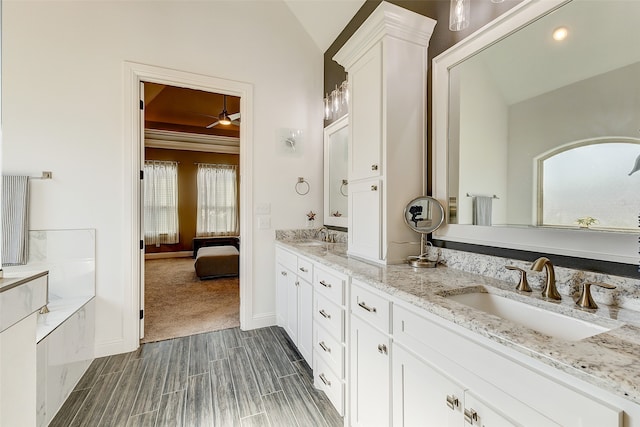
{"x":536,"y":131}
{"x":336,"y":186}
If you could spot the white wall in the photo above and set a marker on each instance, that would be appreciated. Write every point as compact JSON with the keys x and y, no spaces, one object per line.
{"x":63,"y":108}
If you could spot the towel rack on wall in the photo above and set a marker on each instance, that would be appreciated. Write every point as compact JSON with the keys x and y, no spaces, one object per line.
{"x":480,"y":195}
{"x":45,"y":175}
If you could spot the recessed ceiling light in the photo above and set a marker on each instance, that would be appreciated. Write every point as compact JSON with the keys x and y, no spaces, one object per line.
{"x":560,"y":33}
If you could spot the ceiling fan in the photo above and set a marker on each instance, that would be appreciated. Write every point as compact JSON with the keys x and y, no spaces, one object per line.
{"x":225,"y":118}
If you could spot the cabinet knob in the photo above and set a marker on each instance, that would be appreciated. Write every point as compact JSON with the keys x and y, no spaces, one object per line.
{"x":324,"y":347}
{"x":470,"y":415}
{"x":452,"y":401}
{"x":325,"y":380}
{"x":374,"y":167}
{"x":324,"y":314}
{"x":284,"y":273}
{"x":325,"y":284}
{"x":297,"y":283}
{"x":364,"y":305}
{"x":374,"y":188}
{"x":382,"y":349}
{"x":304,"y":270}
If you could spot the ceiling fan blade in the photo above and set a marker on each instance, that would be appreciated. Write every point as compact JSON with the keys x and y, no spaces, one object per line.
{"x":236,"y":122}
{"x":213,"y":124}
{"x":235,"y":116}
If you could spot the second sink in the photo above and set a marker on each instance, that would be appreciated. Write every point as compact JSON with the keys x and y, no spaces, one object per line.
{"x":541,"y":320}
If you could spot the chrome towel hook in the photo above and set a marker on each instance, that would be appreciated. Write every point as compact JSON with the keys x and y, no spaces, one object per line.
{"x":300,"y":189}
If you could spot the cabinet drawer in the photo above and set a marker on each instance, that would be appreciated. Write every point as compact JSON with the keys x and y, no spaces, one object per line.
{"x":329,"y":349}
{"x":329,"y":316}
{"x":286,"y":258}
{"x":369,"y":306}
{"x":330,"y":285}
{"x":326,"y":380}
{"x":305,"y":269}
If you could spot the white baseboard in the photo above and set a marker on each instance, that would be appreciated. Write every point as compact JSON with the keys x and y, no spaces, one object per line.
{"x":260,"y":321}
{"x":160,"y":255}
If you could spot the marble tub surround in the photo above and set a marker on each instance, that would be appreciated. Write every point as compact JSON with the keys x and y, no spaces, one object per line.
{"x":568,"y":281}
{"x":608,"y":360}
{"x":20,"y":296}
{"x":309,"y":234}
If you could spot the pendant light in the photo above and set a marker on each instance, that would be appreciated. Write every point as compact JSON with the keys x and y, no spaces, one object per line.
{"x":459,"y":15}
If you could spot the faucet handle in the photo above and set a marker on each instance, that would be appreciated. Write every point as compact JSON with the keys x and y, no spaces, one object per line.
{"x":524,"y":284}
{"x":585,"y":300}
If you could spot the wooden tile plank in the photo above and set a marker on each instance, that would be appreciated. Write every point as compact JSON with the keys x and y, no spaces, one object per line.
{"x":124,"y":395}
{"x":247,"y":334}
{"x":278,"y":410}
{"x":94,"y":405}
{"x":69,"y":409}
{"x":225,"y":405}
{"x":148,"y":419}
{"x":172,"y":408}
{"x":289,"y":347}
{"x":266,"y":378}
{"x":147,"y":350}
{"x":231,"y":337}
{"x":199,"y":411}
{"x":150,"y":392}
{"x":116,"y":363}
{"x":198,"y":354}
{"x":244,"y":382}
{"x":258,"y":420}
{"x":319,"y":397}
{"x":305,"y":411}
{"x":277,"y":356}
{"x":216,"y":346}
{"x":178,"y":366}
{"x":92,"y":374}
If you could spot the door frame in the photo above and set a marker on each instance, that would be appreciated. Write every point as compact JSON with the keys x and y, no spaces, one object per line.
{"x":134,"y":73}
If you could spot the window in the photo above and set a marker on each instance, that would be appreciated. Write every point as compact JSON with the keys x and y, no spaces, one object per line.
{"x":217,"y":200}
{"x":160,"y":202}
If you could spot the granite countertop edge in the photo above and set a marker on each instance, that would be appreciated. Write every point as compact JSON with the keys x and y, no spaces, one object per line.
{"x":607,"y":360}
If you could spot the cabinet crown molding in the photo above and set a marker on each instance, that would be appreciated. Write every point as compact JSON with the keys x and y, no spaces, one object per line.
{"x":386,"y":20}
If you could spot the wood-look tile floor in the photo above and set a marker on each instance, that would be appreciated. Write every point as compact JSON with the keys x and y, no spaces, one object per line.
{"x":222,"y":378}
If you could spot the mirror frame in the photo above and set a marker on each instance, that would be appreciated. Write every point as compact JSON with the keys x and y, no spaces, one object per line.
{"x":590,"y":244}
{"x":334,"y":127}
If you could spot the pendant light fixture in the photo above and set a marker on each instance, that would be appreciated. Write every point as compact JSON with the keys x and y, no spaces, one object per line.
{"x":459,"y":14}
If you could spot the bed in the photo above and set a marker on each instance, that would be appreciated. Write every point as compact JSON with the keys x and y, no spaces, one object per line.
{"x":216,"y":257}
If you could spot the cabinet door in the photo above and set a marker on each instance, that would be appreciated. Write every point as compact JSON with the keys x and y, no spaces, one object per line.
{"x":422,"y":395}
{"x":365,"y":200}
{"x":282,"y":280}
{"x":370,"y":375}
{"x":291,"y":324}
{"x":365,"y":121}
{"x":305,"y":320}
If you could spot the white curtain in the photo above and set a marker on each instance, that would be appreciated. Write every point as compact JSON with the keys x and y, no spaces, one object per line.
{"x":160,"y":202}
{"x":217,"y":200}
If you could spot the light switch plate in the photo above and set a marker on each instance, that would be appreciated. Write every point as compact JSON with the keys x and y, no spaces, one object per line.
{"x":264,"y":222}
{"x":263,"y":209}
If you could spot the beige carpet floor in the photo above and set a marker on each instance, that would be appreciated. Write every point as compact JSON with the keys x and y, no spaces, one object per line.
{"x":178,"y":304}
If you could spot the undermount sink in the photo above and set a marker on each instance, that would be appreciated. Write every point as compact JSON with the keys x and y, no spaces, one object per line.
{"x":541,"y":320}
{"x":310,"y":243}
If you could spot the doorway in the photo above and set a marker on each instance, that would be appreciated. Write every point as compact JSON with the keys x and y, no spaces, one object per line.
{"x":135,"y":74}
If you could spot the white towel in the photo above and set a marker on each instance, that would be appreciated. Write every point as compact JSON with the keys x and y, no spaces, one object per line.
{"x":482,"y":210}
{"x":15,"y":220}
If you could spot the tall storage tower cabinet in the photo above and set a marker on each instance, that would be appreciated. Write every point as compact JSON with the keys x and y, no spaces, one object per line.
{"x":386,"y":61}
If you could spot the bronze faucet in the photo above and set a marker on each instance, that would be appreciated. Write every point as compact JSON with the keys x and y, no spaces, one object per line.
{"x":549,"y":291}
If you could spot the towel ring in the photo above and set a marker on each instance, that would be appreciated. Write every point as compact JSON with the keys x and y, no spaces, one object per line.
{"x":298,"y":186}
{"x":344,"y":184}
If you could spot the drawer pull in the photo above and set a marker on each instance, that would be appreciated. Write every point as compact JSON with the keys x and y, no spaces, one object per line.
{"x":326,"y":285}
{"x":374,"y":167}
{"x":470,"y":415}
{"x":366,"y":307}
{"x":374,"y":188}
{"x":297,"y":283}
{"x":324,"y":347}
{"x":304,"y":270}
{"x":325,"y":314}
{"x":325,"y":380}
{"x":382,"y":349}
{"x":452,"y":401}
{"x":284,"y":273}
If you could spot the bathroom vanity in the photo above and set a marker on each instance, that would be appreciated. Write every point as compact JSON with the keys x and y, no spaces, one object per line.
{"x":21,"y":297}
{"x":410,"y":352}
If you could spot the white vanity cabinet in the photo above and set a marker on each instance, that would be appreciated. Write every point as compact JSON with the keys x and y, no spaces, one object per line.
{"x":294,"y":299}
{"x":386,"y":61}
{"x":370,"y":354}
{"x":329,"y":344}
{"x":462,"y":382}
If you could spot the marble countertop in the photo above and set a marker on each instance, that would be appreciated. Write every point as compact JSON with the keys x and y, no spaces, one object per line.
{"x":12,"y":279}
{"x":608,"y":360}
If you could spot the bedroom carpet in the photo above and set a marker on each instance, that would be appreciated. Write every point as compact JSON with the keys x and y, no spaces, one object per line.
{"x":178,"y":304}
